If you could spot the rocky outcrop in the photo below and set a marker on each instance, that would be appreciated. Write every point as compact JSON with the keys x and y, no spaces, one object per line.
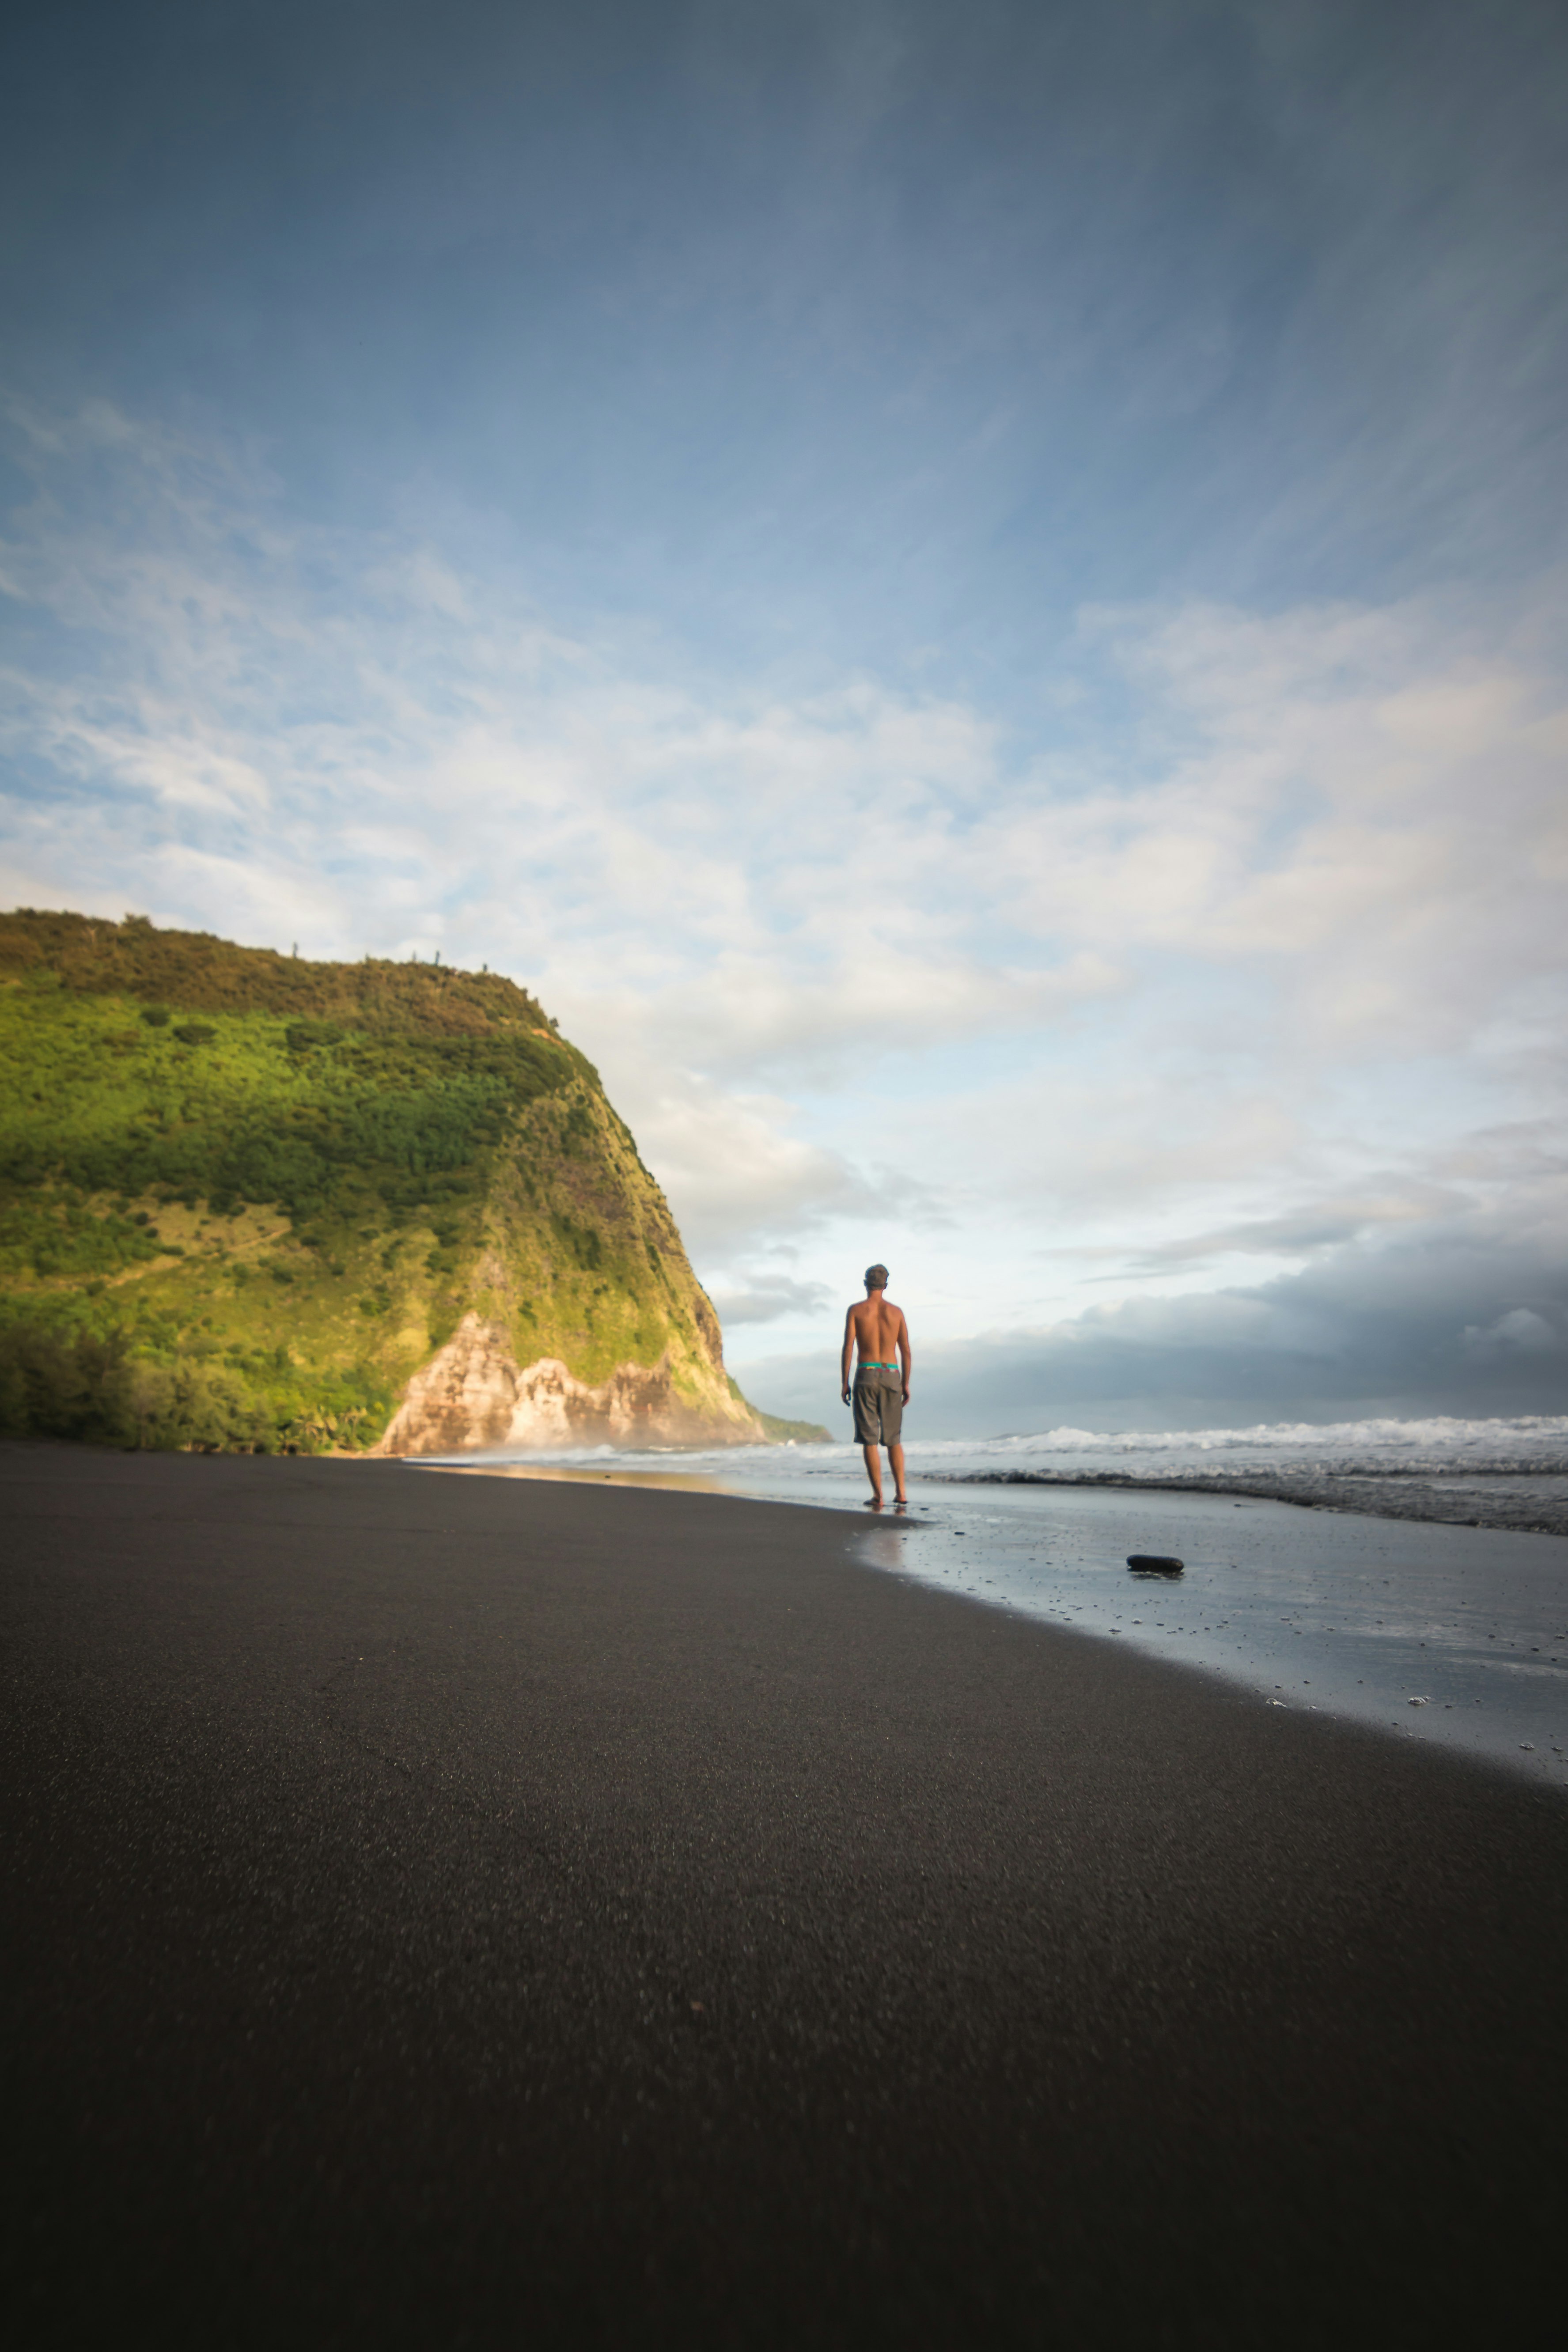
{"x":474,"y":1395}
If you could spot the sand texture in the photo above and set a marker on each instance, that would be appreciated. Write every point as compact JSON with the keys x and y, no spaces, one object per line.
{"x":466,"y":1913}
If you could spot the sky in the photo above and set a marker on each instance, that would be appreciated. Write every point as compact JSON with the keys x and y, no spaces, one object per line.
{"x":973,"y":595}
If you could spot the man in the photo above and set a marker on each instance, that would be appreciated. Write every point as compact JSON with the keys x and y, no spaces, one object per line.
{"x":882,"y":1388}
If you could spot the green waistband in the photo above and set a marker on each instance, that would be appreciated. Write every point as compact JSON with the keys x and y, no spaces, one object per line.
{"x":868,"y":1366}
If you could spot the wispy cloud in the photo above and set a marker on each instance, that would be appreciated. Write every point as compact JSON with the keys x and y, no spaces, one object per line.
{"x":771,"y":1298}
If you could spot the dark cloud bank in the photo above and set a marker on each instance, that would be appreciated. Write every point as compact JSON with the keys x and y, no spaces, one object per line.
{"x":1465,"y":1325}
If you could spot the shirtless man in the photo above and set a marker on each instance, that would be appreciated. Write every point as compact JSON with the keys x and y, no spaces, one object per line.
{"x":882,"y":1386}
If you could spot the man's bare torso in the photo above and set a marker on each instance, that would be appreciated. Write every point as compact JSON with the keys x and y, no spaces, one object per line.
{"x":878,"y":1326}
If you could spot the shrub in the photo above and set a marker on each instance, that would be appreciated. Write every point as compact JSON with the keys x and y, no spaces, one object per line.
{"x":69,"y":1383}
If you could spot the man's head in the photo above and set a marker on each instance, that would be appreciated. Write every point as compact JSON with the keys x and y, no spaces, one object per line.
{"x":876,"y":1277}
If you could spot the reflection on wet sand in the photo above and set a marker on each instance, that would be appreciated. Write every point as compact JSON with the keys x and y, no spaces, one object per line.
{"x":690,"y":1480}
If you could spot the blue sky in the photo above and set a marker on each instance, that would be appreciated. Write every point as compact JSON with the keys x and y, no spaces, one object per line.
{"x":973,"y":596}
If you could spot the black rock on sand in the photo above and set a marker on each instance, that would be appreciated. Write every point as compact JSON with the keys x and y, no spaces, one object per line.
{"x":445,"y":1912}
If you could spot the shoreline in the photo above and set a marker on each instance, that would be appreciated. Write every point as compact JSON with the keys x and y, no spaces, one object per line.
{"x":1428,"y":1497}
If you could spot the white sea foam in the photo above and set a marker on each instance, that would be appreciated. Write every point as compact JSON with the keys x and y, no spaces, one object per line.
{"x":1440,"y":1443}
{"x":1433,"y":1446}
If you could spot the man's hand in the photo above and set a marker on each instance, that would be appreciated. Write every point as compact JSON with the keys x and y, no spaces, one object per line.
{"x":844,"y":1376}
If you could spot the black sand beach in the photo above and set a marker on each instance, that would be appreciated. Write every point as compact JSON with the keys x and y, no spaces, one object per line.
{"x":449,"y":1912}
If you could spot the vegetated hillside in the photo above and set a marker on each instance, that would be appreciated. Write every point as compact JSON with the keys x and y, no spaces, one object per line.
{"x":247,"y":1199}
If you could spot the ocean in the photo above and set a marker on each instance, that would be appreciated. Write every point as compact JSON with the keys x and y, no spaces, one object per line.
{"x":1408,"y":1574}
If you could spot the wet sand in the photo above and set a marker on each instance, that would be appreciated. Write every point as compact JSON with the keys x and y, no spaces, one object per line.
{"x":464,"y":1912}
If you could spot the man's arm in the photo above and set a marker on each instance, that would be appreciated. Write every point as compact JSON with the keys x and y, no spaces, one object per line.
{"x":906,"y":1353}
{"x":849,"y":1352}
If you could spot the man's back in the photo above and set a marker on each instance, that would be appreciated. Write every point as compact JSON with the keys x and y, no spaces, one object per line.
{"x":879,"y":1325}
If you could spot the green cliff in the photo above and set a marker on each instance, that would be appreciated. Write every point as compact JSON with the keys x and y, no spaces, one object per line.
{"x":251,"y":1201}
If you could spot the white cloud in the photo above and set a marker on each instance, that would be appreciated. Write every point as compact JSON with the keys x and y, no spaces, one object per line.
{"x":1367,"y":805}
{"x":729,"y":1163}
{"x":767,"y":1299}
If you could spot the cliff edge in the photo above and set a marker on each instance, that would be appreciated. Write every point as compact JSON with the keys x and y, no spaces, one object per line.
{"x":249,"y":1200}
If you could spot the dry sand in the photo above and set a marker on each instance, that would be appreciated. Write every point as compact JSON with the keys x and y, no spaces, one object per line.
{"x":466,"y":1913}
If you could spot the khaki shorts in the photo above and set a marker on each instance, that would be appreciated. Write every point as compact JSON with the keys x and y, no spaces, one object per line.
{"x":878,"y":1408}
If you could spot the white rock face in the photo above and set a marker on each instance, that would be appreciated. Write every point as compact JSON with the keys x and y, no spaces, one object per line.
{"x":473,"y":1393}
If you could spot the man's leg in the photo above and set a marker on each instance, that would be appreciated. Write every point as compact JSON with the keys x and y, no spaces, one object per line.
{"x":896,"y":1462}
{"x":874,"y":1472}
